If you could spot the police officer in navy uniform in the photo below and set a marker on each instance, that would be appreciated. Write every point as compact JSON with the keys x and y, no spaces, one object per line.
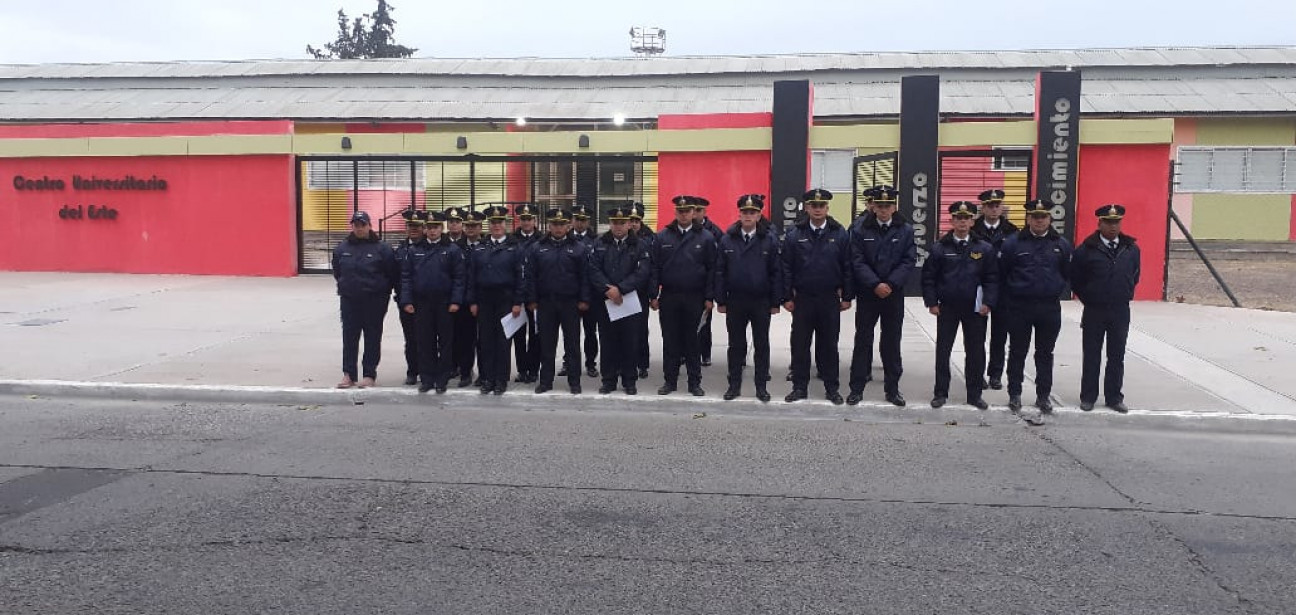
{"x":366,"y":271}
{"x":646,"y":238}
{"x":748,"y":290}
{"x":700,"y":205}
{"x":883,"y":255}
{"x":1104,"y":271}
{"x":617,"y":266}
{"x":432,"y":291}
{"x":499,"y":288}
{"x":525,"y":343}
{"x":413,"y":235}
{"x":994,"y":227}
{"x":817,"y":288}
{"x":1033,"y":271}
{"x":583,"y":231}
{"x":465,"y":323}
{"x":558,"y":292}
{"x":683,"y":262}
{"x":960,"y":283}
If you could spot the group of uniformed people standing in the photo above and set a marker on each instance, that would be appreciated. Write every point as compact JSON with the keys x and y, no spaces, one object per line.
{"x":454,"y":286}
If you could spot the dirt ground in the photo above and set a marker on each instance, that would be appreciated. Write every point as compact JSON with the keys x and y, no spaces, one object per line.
{"x":1266,"y":283}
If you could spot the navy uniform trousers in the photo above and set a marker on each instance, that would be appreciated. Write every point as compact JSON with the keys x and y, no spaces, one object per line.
{"x":974,"y":329}
{"x":1043,"y":318}
{"x":363,"y":316}
{"x":1110,"y":321}
{"x":818,"y":319}
{"x":434,"y":326}
{"x":868,"y":311}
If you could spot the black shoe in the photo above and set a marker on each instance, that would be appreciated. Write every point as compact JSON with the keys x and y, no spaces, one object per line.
{"x":465,"y":382}
{"x":605,"y":389}
{"x":979,"y":404}
{"x":411,"y":380}
{"x":425,"y":387}
{"x":762,"y":395}
{"x":1045,"y":406}
{"x":731,"y":393}
{"x":575,"y":389}
{"x":855,"y":398}
{"x":985,"y":384}
{"x":478,"y":382}
{"x":789,"y":377}
{"x":666,"y":389}
{"x":1086,"y":406}
{"x":706,"y":361}
{"x":520,"y":378}
{"x":995,"y":384}
{"x":1014,"y":403}
{"x":796,"y":395}
{"x":562,"y":373}
{"x":1119,"y":407}
{"x":631,"y":390}
{"x":643,"y":373}
{"x":500,"y":388}
{"x":592,"y":372}
{"x":441,"y":389}
{"x":834,"y":397}
{"x":696,"y":390}
{"x":896,"y":398}
{"x":939,"y":401}
{"x":487,"y":387}
{"x":543,"y":388}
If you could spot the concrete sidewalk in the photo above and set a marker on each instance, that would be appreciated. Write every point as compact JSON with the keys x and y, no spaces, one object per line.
{"x":278,"y":339}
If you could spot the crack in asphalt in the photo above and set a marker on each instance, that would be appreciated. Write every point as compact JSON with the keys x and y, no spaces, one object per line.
{"x":1194,"y":558}
{"x":1134,"y":508}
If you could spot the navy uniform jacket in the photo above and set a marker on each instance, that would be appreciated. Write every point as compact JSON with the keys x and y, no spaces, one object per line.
{"x":626,"y":267}
{"x":497,"y":267}
{"x":749,"y":269}
{"x":683,"y":262}
{"x":365,"y":267}
{"x":995,"y":237}
{"x":433,"y":270}
{"x":1033,"y":267}
{"x":556,"y":269}
{"x":951,"y":276}
{"x":647,"y":239}
{"x":713,"y":228}
{"x":1099,"y":277}
{"x":878,"y":257}
{"x":817,"y":266}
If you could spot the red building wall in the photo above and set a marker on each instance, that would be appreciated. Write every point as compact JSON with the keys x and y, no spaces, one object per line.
{"x":1136,"y":177}
{"x":228,"y":215}
{"x":719,"y":177}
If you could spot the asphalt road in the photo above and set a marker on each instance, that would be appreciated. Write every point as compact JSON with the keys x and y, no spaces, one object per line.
{"x":550,"y":505}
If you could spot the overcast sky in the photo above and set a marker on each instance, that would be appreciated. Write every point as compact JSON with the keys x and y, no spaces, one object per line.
{"x":157,"y":30}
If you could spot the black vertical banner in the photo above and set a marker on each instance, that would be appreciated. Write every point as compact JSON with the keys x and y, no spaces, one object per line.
{"x":1057,"y":114}
{"x":920,"y":163}
{"x":790,"y":150}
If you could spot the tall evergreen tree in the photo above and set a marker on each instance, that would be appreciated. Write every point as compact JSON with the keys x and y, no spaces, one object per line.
{"x":371,"y":35}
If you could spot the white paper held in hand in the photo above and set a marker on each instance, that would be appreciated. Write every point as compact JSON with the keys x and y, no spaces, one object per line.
{"x":512,"y":324}
{"x":629,"y":307}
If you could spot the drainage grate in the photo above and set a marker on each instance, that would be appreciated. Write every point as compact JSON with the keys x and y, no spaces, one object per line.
{"x":40,"y":322}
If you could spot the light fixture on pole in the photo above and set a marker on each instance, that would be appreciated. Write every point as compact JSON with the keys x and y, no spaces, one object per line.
{"x":521,"y":121}
{"x":619,"y":119}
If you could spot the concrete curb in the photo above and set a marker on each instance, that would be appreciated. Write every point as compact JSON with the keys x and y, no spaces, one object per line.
{"x":810,"y":409}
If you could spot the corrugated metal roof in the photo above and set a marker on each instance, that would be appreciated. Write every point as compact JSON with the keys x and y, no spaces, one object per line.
{"x":1117,"y":81}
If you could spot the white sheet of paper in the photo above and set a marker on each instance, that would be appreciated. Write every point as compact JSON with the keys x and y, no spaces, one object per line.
{"x":629,"y":306}
{"x":979,"y":298}
{"x":512,"y":324}
{"x":702,"y":322}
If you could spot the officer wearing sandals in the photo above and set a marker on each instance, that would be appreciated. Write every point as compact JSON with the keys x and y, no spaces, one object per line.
{"x":883,"y":255}
{"x":960,"y":283}
{"x":432,"y":291}
{"x":748,"y":289}
{"x":413,"y":235}
{"x":499,"y":288}
{"x":1033,"y":270}
{"x":994,"y":227}
{"x":1104,"y":271}
{"x":558,"y":293}
{"x":817,"y":288}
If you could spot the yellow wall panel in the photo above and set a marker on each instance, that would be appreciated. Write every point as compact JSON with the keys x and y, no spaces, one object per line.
{"x":1257,"y":217}
{"x":1246,"y":131}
